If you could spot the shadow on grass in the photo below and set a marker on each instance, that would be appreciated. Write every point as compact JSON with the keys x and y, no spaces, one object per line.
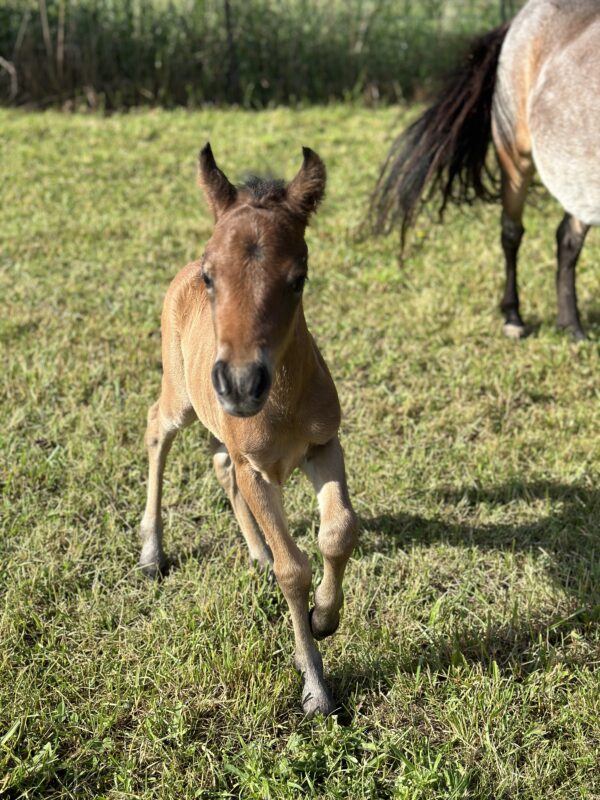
{"x":564,"y":532}
{"x":566,"y":538}
{"x":510,"y":651}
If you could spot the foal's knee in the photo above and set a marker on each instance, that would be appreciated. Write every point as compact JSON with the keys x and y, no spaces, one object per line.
{"x":293,"y":573}
{"x":158,"y":429}
{"x":151,"y":437}
{"x":337,"y":537}
{"x":223,"y":470}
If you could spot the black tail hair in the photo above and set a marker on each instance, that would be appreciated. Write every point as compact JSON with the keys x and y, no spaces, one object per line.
{"x":445,"y":149}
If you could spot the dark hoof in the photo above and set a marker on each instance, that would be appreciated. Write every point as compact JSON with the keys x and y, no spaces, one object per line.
{"x":155,"y":570}
{"x":319,"y":629}
{"x":318,"y":700}
{"x":574,"y":329}
{"x":578,"y":335}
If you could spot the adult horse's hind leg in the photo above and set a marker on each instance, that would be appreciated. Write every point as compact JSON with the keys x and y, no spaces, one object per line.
{"x":515,"y":183}
{"x":324,"y":467}
{"x":570,"y":237}
{"x":258,"y":548}
{"x":160,"y":432}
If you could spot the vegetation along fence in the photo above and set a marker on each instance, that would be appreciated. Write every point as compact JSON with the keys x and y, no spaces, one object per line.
{"x":117,"y":53}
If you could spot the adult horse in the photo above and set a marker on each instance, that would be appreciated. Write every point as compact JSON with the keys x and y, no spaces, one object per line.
{"x":532,"y":87}
{"x":238,"y":356}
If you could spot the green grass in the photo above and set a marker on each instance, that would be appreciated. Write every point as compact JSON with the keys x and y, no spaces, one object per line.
{"x":468,"y":655}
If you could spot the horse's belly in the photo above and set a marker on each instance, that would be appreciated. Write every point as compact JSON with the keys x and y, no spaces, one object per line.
{"x":573,"y":186}
{"x":572,"y":175}
{"x":564,"y":122}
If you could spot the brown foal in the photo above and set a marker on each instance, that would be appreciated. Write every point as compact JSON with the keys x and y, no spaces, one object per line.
{"x":238,"y":356}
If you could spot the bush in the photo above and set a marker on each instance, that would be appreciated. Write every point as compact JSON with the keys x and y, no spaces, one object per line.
{"x":119,"y":53}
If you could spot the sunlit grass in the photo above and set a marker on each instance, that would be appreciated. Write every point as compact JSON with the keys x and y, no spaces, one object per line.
{"x":467,"y":658}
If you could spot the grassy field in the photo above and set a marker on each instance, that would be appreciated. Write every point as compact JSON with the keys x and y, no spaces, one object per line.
{"x":468,"y":656}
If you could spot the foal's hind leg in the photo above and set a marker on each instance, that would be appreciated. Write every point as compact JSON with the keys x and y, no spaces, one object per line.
{"x":163,"y":424}
{"x":258,"y":548}
{"x":337,"y":534}
{"x":570,"y":237}
{"x":515,"y":183}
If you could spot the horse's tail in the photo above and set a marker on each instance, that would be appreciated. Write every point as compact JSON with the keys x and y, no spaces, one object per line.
{"x":445,"y":149}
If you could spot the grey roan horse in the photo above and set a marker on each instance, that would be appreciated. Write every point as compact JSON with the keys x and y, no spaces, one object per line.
{"x":533,"y":88}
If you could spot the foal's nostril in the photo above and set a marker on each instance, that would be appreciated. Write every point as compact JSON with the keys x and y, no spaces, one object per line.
{"x":260,"y":382}
{"x":220,"y":379}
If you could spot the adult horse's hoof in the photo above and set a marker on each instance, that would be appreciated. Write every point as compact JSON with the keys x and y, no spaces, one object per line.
{"x":317,"y":699}
{"x":514,"y":331}
{"x":578,"y":334}
{"x":320,"y":627}
{"x":574,"y":330}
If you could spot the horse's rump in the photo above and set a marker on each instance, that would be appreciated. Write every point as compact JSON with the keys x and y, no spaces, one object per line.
{"x":564,"y":119}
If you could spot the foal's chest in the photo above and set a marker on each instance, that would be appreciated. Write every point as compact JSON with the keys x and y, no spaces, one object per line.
{"x":278,"y":471}
{"x":276,"y":453}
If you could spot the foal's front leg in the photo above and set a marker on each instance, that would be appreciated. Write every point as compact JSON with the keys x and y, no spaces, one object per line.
{"x":224,"y":469}
{"x":292,"y":570}
{"x":160,"y":432}
{"x":324,"y":467}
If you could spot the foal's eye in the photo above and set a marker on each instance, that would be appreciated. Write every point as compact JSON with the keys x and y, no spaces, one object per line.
{"x":208,"y":281}
{"x":298,"y":284}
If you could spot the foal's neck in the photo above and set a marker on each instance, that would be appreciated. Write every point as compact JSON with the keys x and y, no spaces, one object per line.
{"x":297,"y":365}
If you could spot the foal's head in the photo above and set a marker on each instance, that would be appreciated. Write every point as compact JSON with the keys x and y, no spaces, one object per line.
{"x":254,"y":268}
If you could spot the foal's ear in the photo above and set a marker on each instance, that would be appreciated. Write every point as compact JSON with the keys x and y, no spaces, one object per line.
{"x":306,"y":191}
{"x":219,"y":192}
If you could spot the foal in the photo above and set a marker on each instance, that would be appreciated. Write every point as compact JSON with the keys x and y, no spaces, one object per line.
{"x":531,"y":87}
{"x":237,"y":355}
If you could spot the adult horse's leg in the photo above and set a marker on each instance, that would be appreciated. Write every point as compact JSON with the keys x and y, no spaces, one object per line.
{"x":163,"y":425}
{"x":515,"y":183}
{"x":294,"y":575}
{"x":258,"y":548}
{"x":570,"y":237}
{"x":324,"y":467}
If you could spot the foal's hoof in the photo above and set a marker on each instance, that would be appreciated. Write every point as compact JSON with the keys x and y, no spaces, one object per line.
{"x":513,"y":330}
{"x":264,"y":569}
{"x":321,"y":628}
{"x":155,"y":570}
{"x":317,"y":699}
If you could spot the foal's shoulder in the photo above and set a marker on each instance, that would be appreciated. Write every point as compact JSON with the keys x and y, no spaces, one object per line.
{"x":324,"y":411}
{"x":188,"y":278}
{"x":186,"y":292}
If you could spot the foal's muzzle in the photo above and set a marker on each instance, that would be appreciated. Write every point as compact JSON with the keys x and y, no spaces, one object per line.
{"x":242,"y":391}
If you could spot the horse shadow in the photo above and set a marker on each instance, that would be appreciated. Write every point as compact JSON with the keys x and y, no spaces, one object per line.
{"x":565,"y":537}
{"x":578,"y":504}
